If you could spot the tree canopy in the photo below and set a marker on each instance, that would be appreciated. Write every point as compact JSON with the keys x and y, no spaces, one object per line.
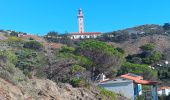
{"x":103,"y":56}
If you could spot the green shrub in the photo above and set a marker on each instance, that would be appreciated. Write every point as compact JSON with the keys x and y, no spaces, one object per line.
{"x":79,"y":82}
{"x":76,"y":68}
{"x":149,"y":46}
{"x":33,"y":45}
{"x":107,"y":95}
{"x":13,"y":33}
{"x":67,"y":49}
{"x":15,"y":41}
{"x":11,"y":74}
{"x":139,"y":69}
{"x":30,"y":60}
{"x":164,"y":97}
{"x":9,"y":55}
{"x":69,"y":52}
{"x":27,"y":73}
{"x":153,"y":57}
{"x":120,"y":50}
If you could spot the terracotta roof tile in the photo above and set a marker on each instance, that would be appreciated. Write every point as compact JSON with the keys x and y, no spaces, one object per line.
{"x":163,"y":88}
{"x":138,"y":79}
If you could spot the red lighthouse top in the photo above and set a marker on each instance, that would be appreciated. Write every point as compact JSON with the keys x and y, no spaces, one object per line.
{"x":80,"y":13}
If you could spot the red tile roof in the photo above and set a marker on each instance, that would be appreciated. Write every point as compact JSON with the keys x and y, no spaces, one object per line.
{"x":163,"y":88}
{"x":87,"y":33}
{"x":138,"y":79}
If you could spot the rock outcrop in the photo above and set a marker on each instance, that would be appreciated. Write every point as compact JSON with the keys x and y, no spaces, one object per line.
{"x":43,"y":89}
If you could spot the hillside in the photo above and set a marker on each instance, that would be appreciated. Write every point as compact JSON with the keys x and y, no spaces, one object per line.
{"x":41,"y":89}
{"x":131,"y":39}
{"x":32,"y":67}
{"x":162,"y":42}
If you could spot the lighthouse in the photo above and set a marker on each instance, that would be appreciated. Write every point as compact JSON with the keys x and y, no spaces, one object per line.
{"x":81,"y":34}
{"x":80,"y":21}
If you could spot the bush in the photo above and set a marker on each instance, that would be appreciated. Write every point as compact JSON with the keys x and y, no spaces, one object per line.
{"x":79,"y":82}
{"x":107,"y":94}
{"x":69,"y":52}
{"x":164,"y":97}
{"x":33,"y":45}
{"x":30,"y":60}
{"x":76,"y":69}
{"x":67,"y":49}
{"x":166,"y":26}
{"x":147,"y":47}
{"x":139,"y":69}
{"x":13,"y":33}
{"x":153,"y":57}
{"x":102,"y":55}
{"x":15,"y":41}
{"x":11,"y":74}
{"x":120,"y":50}
{"x":9,"y":55}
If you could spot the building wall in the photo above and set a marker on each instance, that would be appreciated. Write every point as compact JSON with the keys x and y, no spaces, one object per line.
{"x":83,"y":36}
{"x":164,"y":92}
{"x":81,"y":24}
{"x":124,"y":88}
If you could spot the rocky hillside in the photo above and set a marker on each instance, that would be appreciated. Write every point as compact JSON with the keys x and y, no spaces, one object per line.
{"x":36,"y":89}
{"x":162,"y":42}
{"x":131,"y":39}
{"x":28,"y":72}
{"x":32,"y":67}
{"x":43,"y":89}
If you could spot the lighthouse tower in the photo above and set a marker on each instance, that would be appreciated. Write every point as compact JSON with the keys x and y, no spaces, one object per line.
{"x":81,"y":34}
{"x":80,"y":21}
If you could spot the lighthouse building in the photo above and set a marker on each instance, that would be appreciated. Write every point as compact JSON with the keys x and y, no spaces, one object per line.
{"x":81,"y":34}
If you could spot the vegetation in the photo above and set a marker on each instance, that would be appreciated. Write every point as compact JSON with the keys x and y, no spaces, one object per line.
{"x":59,"y":38}
{"x":79,"y":82}
{"x":149,"y":46}
{"x":103,"y":56}
{"x":138,"y":69}
{"x":107,"y":93}
{"x":8,"y":70}
{"x":76,"y":69}
{"x":147,"y":56}
{"x":166,"y":26}
{"x":83,"y":60}
{"x":29,"y":61}
{"x":33,"y":45}
{"x":164,"y":97}
{"x":135,"y":33}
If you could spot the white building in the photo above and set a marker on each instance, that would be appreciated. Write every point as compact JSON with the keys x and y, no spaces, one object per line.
{"x":80,"y":21}
{"x":81,"y":34}
{"x":129,"y":85}
{"x":120,"y":86}
{"x":85,"y":35}
{"x":164,"y":90}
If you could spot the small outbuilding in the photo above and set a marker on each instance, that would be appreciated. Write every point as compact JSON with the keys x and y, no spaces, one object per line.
{"x":129,"y":85}
{"x":164,"y":90}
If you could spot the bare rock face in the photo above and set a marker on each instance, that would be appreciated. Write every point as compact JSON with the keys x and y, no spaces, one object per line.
{"x":37,"y":89}
{"x":9,"y":91}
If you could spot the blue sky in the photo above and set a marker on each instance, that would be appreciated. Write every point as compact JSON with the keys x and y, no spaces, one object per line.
{"x":42,"y":16}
